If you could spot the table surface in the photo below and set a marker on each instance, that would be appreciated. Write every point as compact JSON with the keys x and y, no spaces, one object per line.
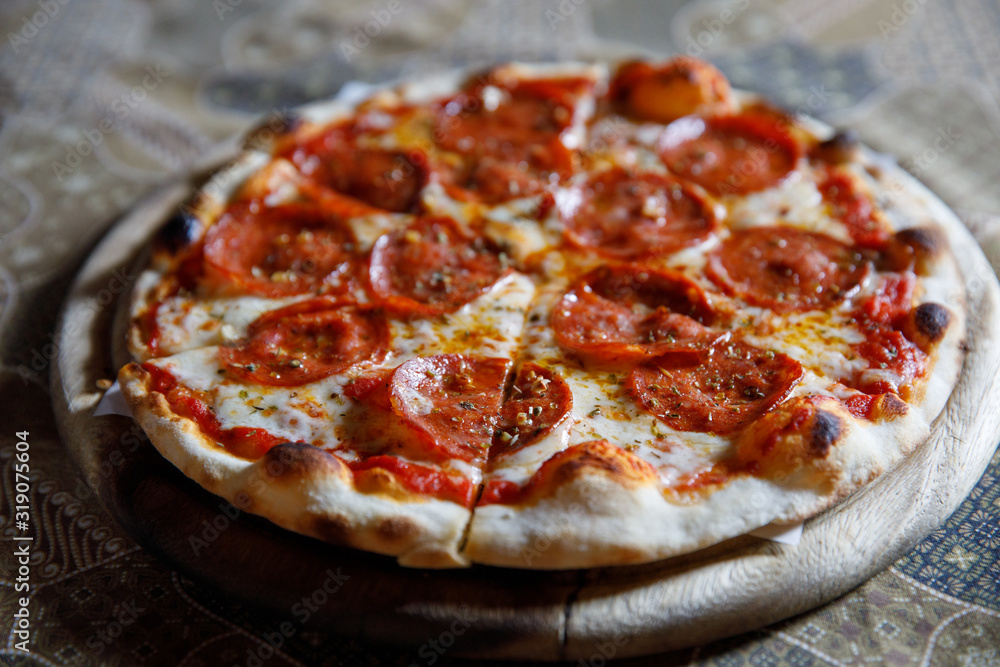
{"x":103,"y":101}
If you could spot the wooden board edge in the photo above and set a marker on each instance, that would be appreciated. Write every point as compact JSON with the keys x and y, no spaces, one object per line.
{"x":574,"y":627}
{"x":698,"y":609}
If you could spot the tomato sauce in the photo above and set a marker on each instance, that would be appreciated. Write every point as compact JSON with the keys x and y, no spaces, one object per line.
{"x":242,"y":441}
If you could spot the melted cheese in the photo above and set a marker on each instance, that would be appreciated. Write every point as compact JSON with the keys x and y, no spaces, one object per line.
{"x":795,"y":202}
{"x":186,"y":323}
{"x":489,"y":326}
{"x":601,"y":411}
{"x":511,"y":320}
{"x":820,"y":341}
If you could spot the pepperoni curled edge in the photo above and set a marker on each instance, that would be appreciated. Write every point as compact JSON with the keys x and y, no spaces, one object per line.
{"x":506,"y":137}
{"x":787,"y":269}
{"x":627,"y":313}
{"x":431,"y":267}
{"x":451,"y":400}
{"x":734,"y":385}
{"x":306,"y":342}
{"x":625,"y":215}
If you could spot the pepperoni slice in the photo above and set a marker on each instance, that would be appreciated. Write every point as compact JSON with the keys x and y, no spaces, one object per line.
{"x":508,"y":137}
{"x":306,"y":342}
{"x":787,"y":269}
{"x":494,"y":181}
{"x":729,"y":154}
{"x":279,"y":251}
{"x":452,"y":400}
{"x":734,"y":385}
{"x":625,"y":313}
{"x":632,"y":215}
{"x":371,"y":389}
{"x":386,"y":179}
{"x":855,"y":208}
{"x":431,"y":267}
{"x":390,"y":180}
{"x":539,"y":400}
{"x":662,"y":93}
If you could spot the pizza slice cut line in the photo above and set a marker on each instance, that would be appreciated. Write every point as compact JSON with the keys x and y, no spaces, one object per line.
{"x":404,"y":328}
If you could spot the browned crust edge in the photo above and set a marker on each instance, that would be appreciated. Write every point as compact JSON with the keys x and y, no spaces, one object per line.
{"x":182,"y":443}
{"x":301,"y":488}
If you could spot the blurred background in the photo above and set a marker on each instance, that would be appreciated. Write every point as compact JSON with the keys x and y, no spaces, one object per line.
{"x":103,"y":101}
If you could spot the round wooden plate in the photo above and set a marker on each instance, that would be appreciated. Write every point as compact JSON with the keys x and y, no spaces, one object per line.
{"x":736,"y":586}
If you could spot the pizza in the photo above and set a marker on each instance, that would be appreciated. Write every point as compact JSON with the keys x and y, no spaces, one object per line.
{"x":546,"y":316}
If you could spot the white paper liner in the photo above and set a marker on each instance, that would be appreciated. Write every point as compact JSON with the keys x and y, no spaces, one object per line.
{"x":785,"y":534}
{"x":113,"y":403}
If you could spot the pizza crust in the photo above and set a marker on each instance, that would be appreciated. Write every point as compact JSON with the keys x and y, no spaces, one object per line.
{"x":593,"y":518}
{"x":594,"y":515}
{"x":302,"y":488}
{"x":943,"y":284}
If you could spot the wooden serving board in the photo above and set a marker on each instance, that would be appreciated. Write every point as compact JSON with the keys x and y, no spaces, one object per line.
{"x":739,"y":585}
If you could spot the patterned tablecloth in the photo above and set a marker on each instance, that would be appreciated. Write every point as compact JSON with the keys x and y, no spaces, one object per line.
{"x":102,"y":100}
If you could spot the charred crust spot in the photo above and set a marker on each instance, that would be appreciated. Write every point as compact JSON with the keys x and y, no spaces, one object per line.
{"x":569,"y":469}
{"x":841,"y":147}
{"x":931,"y":321}
{"x":274,"y":126}
{"x":605,"y":458}
{"x":295,"y":460}
{"x":479,"y":75}
{"x":134,"y":370}
{"x":915,"y":247}
{"x":923,"y":240}
{"x":199,"y":181}
{"x":889,"y":406}
{"x":334,"y":529}
{"x":179,"y":232}
{"x":396,"y":529}
{"x":291,"y":121}
{"x":826,"y":429}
